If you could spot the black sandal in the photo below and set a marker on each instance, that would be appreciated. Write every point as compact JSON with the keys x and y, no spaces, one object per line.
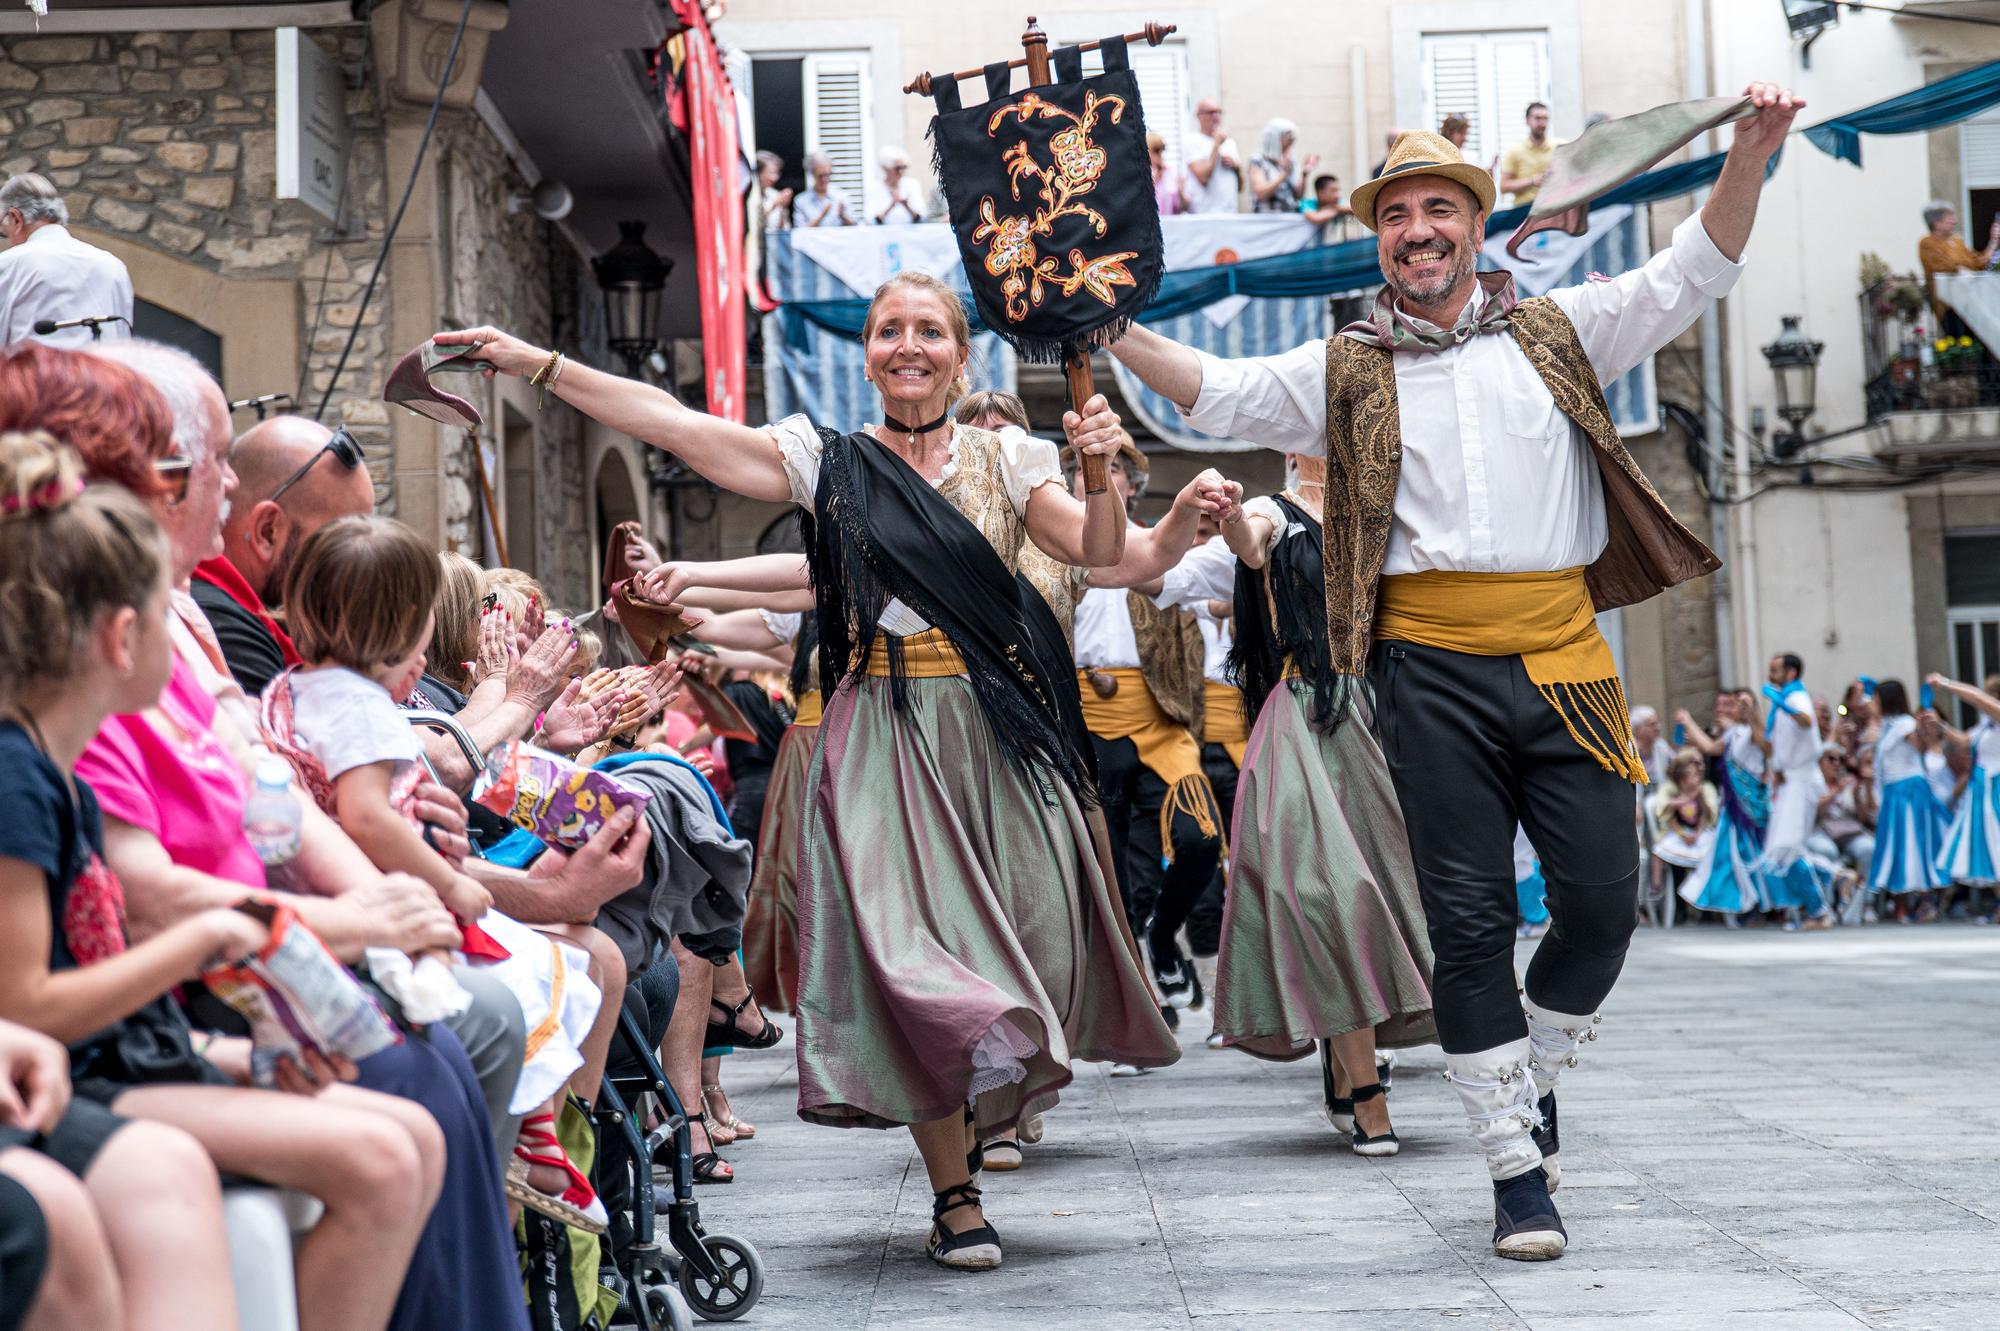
{"x":973,"y":1250}
{"x":975,"y":1154}
{"x":1339,"y":1108}
{"x":1382,"y":1144}
{"x":728,"y":1033}
{"x":707,"y":1165}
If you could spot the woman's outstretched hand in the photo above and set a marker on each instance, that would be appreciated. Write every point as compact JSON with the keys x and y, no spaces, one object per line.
{"x":506,"y":353}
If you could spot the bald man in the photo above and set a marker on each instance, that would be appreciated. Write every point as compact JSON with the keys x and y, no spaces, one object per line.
{"x":265,"y":530}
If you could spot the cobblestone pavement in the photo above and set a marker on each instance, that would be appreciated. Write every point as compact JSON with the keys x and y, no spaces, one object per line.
{"x":1775,"y":1131}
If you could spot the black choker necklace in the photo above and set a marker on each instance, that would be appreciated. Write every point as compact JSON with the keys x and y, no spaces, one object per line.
{"x":912,"y":431}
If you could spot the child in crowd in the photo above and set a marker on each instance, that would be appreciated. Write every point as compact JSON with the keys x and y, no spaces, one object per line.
{"x":1684,"y":814}
{"x":359,"y":602}
{"x":83,"y":636}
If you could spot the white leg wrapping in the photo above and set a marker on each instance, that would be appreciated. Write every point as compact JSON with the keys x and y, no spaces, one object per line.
{"x":1497,"y":1088}
{"x":1555,"y":1038}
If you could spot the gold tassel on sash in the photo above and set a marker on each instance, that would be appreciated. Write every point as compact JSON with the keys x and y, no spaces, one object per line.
{"x":1544,"y":618}
{"x":1165,"y":746}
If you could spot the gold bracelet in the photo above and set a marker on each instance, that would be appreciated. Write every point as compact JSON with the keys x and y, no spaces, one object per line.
{"x":545,"y":376}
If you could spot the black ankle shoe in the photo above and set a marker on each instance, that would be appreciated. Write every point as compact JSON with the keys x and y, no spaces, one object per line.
{"x":1339,"y":1109}
{"x":972,"y":1250}
{"x":1171,"y":1016}
{"x":1381,"y":1144}
{"x":1526,"y":1225}
{"x":1546,"y":1142}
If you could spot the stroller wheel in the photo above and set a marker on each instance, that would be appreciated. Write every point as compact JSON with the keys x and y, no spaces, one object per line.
{"x":666,"y":1307}
{"x":741,"y":1285}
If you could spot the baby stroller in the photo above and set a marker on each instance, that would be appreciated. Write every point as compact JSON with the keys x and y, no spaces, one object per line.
{"x":718,"y":1276}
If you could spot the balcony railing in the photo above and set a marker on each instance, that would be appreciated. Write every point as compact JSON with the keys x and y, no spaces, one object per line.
{"x":1902,"y":366}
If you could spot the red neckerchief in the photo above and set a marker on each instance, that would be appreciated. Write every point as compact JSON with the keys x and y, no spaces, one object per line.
{"x":222,"y":575}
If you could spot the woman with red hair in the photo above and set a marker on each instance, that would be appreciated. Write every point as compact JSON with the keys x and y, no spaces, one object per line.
{"x":105,"y":411}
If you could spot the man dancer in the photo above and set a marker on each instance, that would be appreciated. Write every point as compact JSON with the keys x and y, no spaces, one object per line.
{"x":1464,"y":578}
{"x":1790,"y":876}
{"x":1139,"y":670}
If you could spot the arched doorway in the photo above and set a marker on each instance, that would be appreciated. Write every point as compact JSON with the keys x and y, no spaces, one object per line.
{"x":613,"y":501}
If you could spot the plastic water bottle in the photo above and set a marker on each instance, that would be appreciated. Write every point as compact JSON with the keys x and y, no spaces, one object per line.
{"x":272,"y":818}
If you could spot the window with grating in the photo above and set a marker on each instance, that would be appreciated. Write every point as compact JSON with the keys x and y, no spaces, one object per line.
{"x":840,"y":117}
{"x":1489,"y":78}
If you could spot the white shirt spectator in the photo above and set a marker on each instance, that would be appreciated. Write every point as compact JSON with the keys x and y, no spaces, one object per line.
{"x":1224,"y":183}
{"x":1495,"y":478}
{"x":828,"y":209}
{"x":53,"y":275}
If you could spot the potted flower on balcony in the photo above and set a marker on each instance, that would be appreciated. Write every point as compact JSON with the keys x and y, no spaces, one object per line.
{"x":1957,"y":361}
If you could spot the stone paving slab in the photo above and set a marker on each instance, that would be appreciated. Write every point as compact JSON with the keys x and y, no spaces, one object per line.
{"x":1774,"y":1133}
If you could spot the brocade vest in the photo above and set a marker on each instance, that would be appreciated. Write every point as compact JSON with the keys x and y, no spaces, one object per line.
{"x":1170,"y":659}
{"x":1648,"y":551}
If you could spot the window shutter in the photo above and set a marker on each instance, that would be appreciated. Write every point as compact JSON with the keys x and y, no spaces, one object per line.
{"x":840,"y":119}
{"x":1453,"y":85}
{"x":1979,"y":152}
{"x":1520,"y":76}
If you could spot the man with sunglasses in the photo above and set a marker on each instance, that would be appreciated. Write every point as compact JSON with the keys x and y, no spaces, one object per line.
{"x":293,"y":476}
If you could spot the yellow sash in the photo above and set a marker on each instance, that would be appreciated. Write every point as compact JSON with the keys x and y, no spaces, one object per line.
{"x":811,"y":704}
{"x":1164,"y":745}
{"x":1544,"y":618}
{"x":1223,"y":721}
{"x":926,"y":655}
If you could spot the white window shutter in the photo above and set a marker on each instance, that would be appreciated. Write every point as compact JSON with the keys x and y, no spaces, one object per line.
{"x":1453,"y":84}
{"x":1520,"y":76}
{"x":840,"y":119}
{"x":1979,"y":152}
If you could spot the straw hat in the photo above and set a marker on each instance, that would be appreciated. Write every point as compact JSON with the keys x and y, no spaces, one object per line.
{"x":1137,"y":465}
{"x":1422,"y":153}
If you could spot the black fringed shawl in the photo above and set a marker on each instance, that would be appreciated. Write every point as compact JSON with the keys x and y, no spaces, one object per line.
{"x":879,"y":533}
{"x":1260,"y":655}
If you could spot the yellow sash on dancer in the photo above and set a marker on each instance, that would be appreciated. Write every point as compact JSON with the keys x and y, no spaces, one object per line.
{"x":810,"y":707}
{"x":1544,"y":618}
{"x":1223,"y":721}
{"x":1164,"y":745}
{"x":926,"y":655}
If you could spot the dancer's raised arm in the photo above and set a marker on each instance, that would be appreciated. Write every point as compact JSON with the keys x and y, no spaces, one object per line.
{"x":735,"y":457}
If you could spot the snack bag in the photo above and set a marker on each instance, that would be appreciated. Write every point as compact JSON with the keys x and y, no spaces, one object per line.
{"x":297,"y":996}
{"x":561,"y":803}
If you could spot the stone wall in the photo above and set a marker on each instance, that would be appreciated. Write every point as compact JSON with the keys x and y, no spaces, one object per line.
{"x":167,"y":140}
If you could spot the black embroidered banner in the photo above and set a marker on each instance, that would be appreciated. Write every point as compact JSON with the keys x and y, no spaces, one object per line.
{"x":1051,"y":198}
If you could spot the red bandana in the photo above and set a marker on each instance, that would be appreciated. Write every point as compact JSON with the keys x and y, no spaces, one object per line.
{"x":224,"y":577}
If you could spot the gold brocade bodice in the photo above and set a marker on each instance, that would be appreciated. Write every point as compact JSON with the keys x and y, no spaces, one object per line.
{"x":977,"y":488}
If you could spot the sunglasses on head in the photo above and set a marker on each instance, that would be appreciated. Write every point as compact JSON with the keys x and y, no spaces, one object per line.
{"x":345,"y":448}
{"x":174,"y":473}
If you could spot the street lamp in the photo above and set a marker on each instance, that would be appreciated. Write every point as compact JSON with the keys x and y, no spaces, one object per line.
{"x":632,"y":277}
{"x":1794,"y":360}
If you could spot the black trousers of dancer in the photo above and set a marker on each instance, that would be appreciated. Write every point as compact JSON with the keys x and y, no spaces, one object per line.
{"x":1157,"y":897}
{"x":1204,"y":924}
{"x":1472,"y":747}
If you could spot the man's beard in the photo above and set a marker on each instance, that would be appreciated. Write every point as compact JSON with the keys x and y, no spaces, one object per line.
{"x":1459,"y":261}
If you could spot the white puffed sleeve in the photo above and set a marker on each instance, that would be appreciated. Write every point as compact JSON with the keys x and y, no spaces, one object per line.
{"x":782,"y":624}
{"x":1026,"y":463}
{"x":799,"y":449}
{"x":1271,"y":511}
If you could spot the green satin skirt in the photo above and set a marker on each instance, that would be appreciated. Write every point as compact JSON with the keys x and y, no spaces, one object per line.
{"x":1323,"y":931}
{"x":771,"y":918}
{"x":958,"y":932}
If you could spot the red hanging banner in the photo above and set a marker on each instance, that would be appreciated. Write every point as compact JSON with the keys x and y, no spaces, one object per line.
{"x":709,"y":116}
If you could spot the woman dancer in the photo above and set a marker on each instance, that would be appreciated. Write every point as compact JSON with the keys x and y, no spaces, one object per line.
{"x":1909,"y":831}
{"x":1323,"y":935}
{"x":1726,"y":881}
{"x":1972,"y":843}
{"x":959,"y":942}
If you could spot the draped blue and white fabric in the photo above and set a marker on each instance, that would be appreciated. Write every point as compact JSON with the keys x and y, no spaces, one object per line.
{"x":1727,"y":880}
{"x":1266,"y":326}
{"x":1972,"y":843}
{"x":812,"y":370}
{"x":1909,"y":828}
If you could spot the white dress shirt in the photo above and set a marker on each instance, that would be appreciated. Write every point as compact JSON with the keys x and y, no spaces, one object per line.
{"x":53,"y":275}
{"x":1103,"y":631}
{"x":1495,"y":479}
{"x":1795,"y":747}
{"x":1216,"y":641}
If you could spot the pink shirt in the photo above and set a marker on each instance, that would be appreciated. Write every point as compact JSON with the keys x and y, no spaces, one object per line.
{"x":170,"y":776}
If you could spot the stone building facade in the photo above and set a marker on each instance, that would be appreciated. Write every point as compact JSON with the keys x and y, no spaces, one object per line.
{"x":164,"y":145}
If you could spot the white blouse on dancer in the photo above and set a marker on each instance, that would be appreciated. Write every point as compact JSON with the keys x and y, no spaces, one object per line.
{"x":1026,"y":463}
{"x":1495,"y":479}
{"x":1740,"y":748}
{"x":783,"y":625}
{"x":1985,"y":738}
{"x":1896,"y":758}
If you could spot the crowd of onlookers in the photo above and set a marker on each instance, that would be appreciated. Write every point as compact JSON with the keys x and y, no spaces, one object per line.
{"x":211,"y":651}
{"x":1213,"y":175}
{"x":1872,"y":737}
